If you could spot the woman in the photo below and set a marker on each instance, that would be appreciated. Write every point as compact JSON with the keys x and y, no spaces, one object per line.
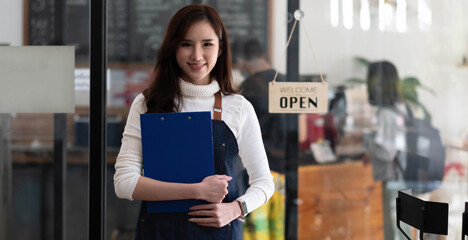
{"x":193,"y":73}
{"x":388,"y":135}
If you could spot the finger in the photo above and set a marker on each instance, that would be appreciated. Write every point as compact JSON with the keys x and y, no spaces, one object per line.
{"x":224,"y":177}
{"x":206,"y":222}
{"x":202,"y":207}
{"x":206,"y":213}
{"x":209,"y":225}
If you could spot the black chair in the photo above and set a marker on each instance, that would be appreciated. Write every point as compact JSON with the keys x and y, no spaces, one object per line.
{"x":465,"y":222}
{"x":426,"y":216}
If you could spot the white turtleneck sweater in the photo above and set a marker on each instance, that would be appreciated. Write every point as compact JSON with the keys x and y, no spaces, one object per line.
{"x":239,"y":116}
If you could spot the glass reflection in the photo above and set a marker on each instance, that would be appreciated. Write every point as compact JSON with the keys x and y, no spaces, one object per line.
{"x":249,"y":57}
{"x":334,"y":191}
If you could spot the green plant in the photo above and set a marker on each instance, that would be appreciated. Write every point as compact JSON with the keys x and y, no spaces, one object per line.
{"x":408,"y":88}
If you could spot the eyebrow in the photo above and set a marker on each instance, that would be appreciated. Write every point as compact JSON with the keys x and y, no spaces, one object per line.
{"x":204,"y":40}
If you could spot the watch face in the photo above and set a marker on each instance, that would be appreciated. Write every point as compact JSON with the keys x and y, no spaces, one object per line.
{"x":244,"y":208}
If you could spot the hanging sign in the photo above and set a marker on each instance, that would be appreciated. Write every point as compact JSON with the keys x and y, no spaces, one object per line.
{"x":298,"y":97}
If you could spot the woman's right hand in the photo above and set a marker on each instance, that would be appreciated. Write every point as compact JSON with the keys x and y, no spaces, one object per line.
{"x":213,"y":188}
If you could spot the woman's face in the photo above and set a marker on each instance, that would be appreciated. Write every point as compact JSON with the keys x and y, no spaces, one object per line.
{"x":198,"y":52}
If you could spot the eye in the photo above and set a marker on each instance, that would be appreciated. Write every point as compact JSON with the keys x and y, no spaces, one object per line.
{"x":208,"y":44}
{"x":185,"y":44}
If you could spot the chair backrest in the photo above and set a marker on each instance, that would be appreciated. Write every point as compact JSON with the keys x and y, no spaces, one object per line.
{"x":465,"y":222}
{"x":428,"y":217}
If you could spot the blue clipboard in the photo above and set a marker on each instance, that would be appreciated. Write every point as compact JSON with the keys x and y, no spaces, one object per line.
{"x":177,"y":147}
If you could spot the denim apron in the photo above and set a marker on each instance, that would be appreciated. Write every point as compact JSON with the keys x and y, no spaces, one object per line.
{"x":176,"y":226}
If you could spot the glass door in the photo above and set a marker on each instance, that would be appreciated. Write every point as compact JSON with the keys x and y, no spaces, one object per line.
{"x":135,"y":33}
{"x":380,"y":57}
{"x":44,"y":152}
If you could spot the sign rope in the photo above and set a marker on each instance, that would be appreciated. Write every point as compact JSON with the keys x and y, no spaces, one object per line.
{"x":285,"y":49}
{"x":298,"y":16}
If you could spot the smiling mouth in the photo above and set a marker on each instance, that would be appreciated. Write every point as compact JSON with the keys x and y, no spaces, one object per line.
{"x":197,"y":66}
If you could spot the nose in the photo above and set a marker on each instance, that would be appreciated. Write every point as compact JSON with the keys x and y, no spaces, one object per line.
{"x":196,"y":53}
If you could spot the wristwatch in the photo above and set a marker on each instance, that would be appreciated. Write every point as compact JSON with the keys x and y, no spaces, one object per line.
{"x":243,"y":207}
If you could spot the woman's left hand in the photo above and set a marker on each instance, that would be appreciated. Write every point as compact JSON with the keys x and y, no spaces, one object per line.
{"x":215,"y":215}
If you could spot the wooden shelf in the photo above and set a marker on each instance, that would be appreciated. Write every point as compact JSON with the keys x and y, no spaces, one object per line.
{"x":119,"y":111}
{"x":44,"y":155}
{"x":339,"y":201}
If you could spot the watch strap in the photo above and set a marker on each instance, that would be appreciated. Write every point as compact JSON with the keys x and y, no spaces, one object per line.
{"x":243,"y":207}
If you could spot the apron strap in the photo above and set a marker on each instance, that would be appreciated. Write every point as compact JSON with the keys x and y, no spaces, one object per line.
{"x":218,"y":106}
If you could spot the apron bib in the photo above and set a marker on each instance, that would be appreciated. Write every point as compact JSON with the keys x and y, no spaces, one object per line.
{"x":176,"y":226}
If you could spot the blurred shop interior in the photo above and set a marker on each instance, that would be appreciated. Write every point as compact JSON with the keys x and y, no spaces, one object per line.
{"x":338,"y":196}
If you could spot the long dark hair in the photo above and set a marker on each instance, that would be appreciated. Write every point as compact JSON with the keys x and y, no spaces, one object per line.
{"x":165,"y":88}
{"x":383,"y":84}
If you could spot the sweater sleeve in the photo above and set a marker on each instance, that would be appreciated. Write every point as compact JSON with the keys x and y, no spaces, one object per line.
{"x":128,"y":166}
{"x":254,"y":159}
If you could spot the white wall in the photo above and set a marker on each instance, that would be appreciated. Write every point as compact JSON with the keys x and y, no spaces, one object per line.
{"x":279,"y":28}
{"x":11,"y":22}
{"x":433,"y":56}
